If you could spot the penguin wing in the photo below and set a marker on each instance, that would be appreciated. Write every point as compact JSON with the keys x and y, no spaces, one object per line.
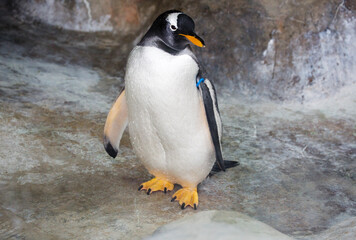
{"x":115,"y":125}
{"x":213,"y":117}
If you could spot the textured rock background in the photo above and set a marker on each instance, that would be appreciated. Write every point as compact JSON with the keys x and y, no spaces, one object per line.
{"x":252,"y":46}
{"x":285,"y":73}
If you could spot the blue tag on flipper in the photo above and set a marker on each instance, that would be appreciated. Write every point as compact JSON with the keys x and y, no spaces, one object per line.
{"x":200,"y":81}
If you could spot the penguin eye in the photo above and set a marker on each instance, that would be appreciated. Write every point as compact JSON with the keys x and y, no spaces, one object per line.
{"x":173,"y":28}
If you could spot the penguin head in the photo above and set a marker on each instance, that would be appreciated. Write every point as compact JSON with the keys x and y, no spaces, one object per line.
{"x":175,"y":29}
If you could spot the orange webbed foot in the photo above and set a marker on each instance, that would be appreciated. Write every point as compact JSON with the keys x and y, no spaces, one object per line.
{"x":156,"y":184}
{"x":186,"y":197}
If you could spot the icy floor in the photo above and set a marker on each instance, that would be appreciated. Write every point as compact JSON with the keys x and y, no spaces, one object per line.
{"x":297,"y":169}
{"x":297,"y":172}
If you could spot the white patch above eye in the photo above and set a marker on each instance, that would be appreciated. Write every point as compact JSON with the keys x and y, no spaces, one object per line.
{"x":172,"y":18}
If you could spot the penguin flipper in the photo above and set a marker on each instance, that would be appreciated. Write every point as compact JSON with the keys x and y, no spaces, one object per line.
{"x":115,"y":125}
{"x":213,"y":118}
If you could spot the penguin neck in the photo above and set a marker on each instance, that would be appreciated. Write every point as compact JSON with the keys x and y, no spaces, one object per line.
{"x":154,"y":41}
{"x":163,"y":46}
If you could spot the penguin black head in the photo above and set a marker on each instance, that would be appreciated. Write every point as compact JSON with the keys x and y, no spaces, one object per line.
{"x":172,"y":31}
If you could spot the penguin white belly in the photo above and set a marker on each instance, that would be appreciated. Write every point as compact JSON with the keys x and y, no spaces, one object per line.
{"x":168,"y":128}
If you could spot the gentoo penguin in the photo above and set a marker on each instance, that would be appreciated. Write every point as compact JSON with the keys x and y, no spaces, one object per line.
{"x":170,"y":109}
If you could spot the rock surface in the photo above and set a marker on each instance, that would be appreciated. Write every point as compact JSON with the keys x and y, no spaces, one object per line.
{"x":298,"y":161}
{"x":211,"y":225}
{"x":345,"y":230}
{"x":276,"y":48}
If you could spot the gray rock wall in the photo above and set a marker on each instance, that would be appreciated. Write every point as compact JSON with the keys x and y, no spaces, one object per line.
{"x":277,"y":48}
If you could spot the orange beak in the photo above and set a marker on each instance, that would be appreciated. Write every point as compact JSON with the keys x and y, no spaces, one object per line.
{"x":196,"y":40}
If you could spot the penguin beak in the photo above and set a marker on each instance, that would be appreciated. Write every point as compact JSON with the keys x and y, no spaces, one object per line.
{"x":195,"y":39}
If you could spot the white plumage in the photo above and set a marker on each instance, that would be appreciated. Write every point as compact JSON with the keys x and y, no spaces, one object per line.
{"x":173,"y":18}
{"x":166,"y":117}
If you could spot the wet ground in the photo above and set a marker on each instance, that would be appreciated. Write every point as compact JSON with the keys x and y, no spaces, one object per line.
{"x":298,"y":161}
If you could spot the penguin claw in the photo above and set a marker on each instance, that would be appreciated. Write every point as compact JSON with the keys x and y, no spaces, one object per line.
{"x":156,"y":184}
{"x":186,"y":197}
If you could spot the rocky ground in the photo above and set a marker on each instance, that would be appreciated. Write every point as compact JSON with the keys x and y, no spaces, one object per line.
{"x":297,"y":156}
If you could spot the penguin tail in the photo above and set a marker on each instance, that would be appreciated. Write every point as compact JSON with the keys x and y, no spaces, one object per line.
{"x":227,"y":163}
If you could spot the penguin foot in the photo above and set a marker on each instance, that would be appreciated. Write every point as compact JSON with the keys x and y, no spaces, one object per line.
{"x":186,"y":197}
{"x":156,"y":184}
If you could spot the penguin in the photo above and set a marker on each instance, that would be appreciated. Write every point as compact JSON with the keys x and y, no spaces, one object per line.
{"x":171,"y":110}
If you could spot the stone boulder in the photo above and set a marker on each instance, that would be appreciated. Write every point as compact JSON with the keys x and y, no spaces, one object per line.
{"x":211,"y":225}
